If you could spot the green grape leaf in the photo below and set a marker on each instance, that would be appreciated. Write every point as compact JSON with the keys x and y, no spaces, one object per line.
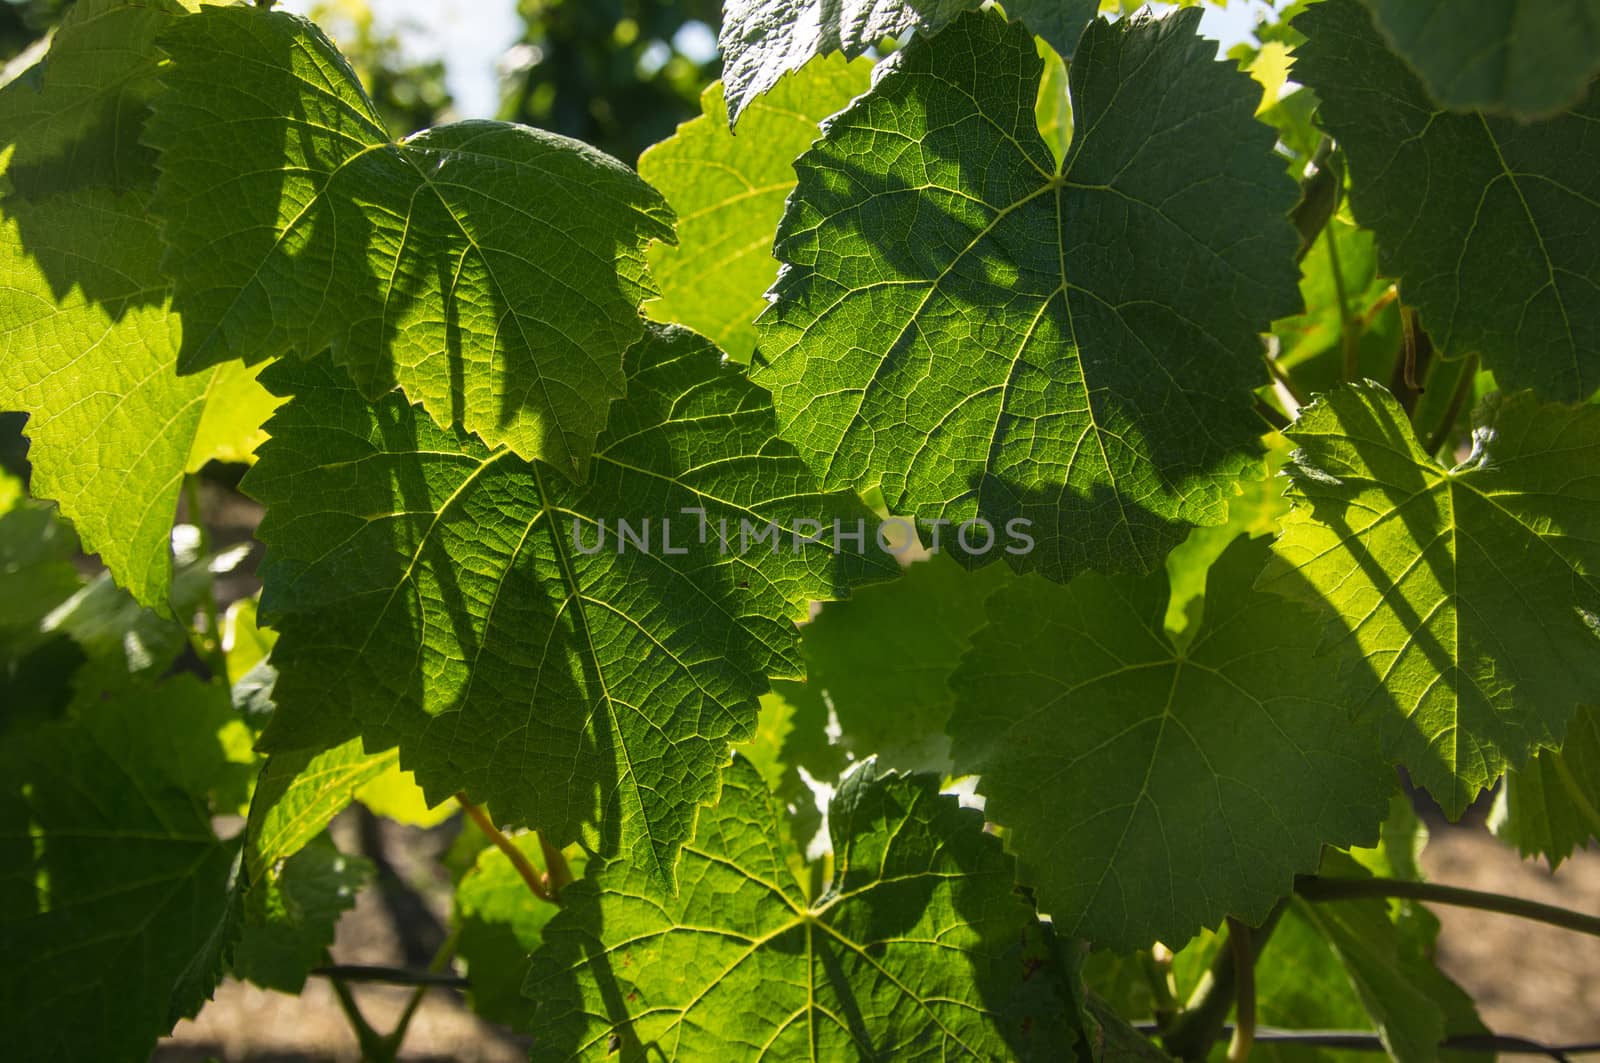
{"x":1074,"y":349}
{"x":1470,"y":594}
{"x":298,"y":795}
{"x":1528,"y":58}
{"x":113,"y":426}
{"x":76,"y":117}
{"x":919,"y":949}
{"x":491,"y":619}
{"x":493,"y":271}
{"x":1150,"y":791}
{"x":501,"y":924}
{"x":728,"y":193}
{"x":112,"y":880}
{"x":883,"y":659}
{"x":762,"y":40}
{"x":1552,"y":806}
{"x":289,"y":916}
{"x":1495,"y":246}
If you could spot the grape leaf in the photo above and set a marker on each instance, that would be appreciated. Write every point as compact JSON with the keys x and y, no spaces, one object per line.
{"x":493,"y":271}
{"x":113,"y":427}
{"x":1151,"y":791}
{"x":112,"y":878}
{"x":919,"y":949}
{"x":488,"y":618}
{"x":289,"y":915}
{"x":1073,"y":348}
{"x":728,"y":193}
{"x":1552,"y":806}
{"x":76,"y":117}
{"x":1471,"y":594}
{"x":1488,"y":222}
{"x":762,"y":40}
{"x":1525,"y":57}
{"x":501,"y":924}
{"x":85,"y":308}
{"x":883,"y":659}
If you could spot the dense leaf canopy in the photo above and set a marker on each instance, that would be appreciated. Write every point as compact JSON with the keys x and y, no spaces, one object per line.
{"x":578,"y":682}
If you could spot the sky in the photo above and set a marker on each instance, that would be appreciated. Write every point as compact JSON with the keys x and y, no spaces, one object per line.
{"x":472,"y":35}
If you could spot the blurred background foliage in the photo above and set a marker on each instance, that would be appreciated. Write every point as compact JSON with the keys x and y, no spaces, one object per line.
{"x":619,"y":74}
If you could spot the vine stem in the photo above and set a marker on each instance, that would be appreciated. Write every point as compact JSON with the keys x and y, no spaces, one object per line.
{"x":1315,"y":888}
{"x":1458,"y":398}
{"x":369,"y":1040}
{"x":1191,"y":1035}
{"x":519,"y":860}
{"x":377,"y":974}
{"x":1283,"y":380}
{"x":1244,"y":1008}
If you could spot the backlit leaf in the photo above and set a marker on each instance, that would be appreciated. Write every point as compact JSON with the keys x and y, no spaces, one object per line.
{"x":918,"y":949}
{"x":1471,"y":594}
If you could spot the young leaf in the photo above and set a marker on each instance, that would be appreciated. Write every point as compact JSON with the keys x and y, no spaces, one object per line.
{"x":1552,"y":806}
{"x":1074,"y":348}
{"x":493,"y":271}
{"x":112,"y":880}
{"x":1529,"y":58}
{"x":298,"y":795}
{"x":1495,"y":246}
{"x":490,"y":618}
{"x":728,"y":193}
{"x":1150,"y":791}
{"x":919,"y":949}
{"x":1471,"y":594}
